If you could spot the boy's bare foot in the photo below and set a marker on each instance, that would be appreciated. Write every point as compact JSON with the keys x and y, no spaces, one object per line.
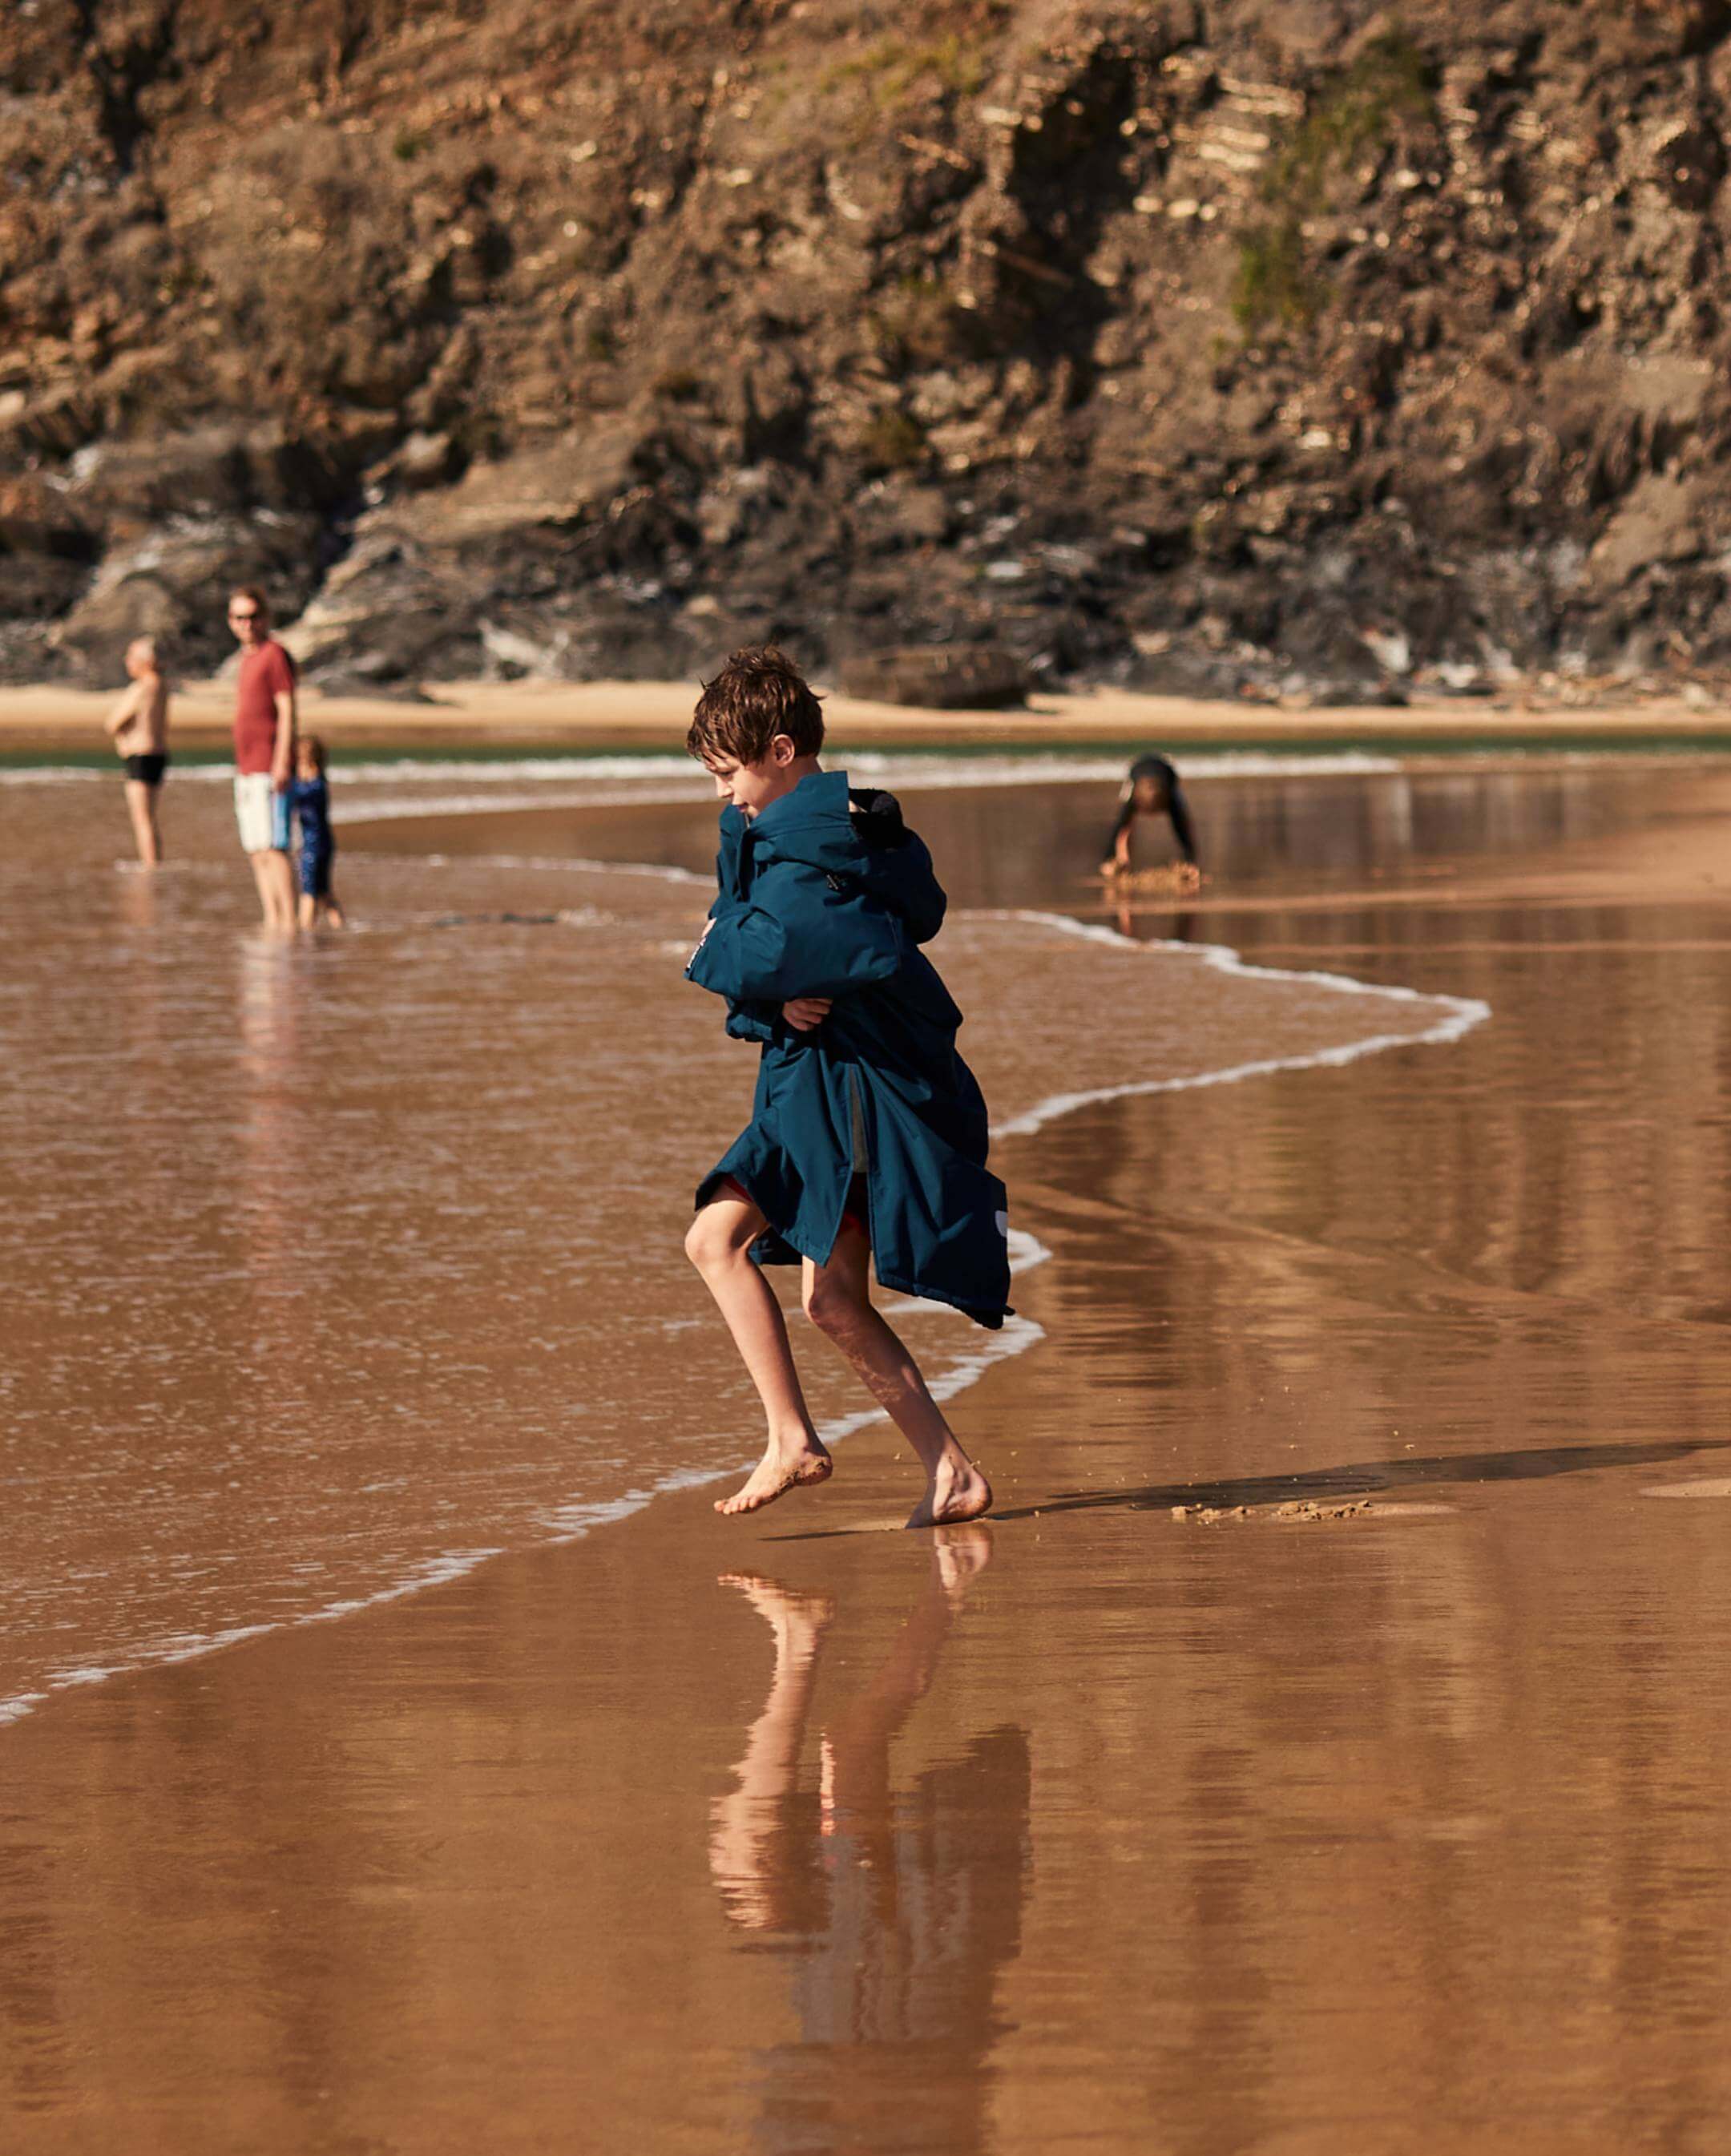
{"x":959,"y":1553}
{"x":776,"y":1473}
{"x":957,"y":1491}
{"x":797,"y":1620}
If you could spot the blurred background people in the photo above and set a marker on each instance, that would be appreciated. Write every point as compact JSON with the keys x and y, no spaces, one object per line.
{"x":264,"y":722}
{"x":309,"y":804}
{"x":138,"y":727}
{"x":1152,"y":789}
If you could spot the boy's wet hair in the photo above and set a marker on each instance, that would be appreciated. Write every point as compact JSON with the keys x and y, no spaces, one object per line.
{"x":313,"y":749}
{"x":758,"y":694}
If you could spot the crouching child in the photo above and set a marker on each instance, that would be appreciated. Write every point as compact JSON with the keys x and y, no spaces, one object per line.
{"x":868,"y":1136}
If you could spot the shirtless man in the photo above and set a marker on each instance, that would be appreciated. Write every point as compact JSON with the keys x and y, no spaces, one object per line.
{"x":138,"y":727}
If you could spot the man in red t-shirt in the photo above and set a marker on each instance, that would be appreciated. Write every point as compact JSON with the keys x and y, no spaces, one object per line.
{"x":265,"y":722}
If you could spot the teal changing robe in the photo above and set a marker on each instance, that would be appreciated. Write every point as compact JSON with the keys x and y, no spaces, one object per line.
{"x":828,"y":893}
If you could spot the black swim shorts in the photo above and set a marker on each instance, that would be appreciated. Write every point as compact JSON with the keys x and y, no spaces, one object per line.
{"x":147,"y":770}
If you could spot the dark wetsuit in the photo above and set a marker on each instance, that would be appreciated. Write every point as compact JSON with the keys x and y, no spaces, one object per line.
{"x":309,"y":803}
{"x":1171,"y":799}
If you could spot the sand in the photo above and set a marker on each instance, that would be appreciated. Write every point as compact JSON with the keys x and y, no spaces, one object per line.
{"x":656,"y":714}
{"x":1378,"y":1803}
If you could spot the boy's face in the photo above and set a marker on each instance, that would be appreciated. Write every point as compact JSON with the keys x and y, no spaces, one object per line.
{"x":752,"y":787}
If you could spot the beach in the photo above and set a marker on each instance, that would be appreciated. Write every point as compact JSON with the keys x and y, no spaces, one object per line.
{"x":1320,"y":1746}
{"x":638,"y":715}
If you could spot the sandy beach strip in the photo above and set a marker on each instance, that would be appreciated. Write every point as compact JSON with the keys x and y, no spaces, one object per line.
{"x":651,"y":715}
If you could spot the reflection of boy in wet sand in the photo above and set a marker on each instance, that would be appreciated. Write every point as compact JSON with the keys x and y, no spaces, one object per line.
{"x":755,"y":1852}
{"x":868,"y":1137}
{"x":138,"y":726}
{"x":901,"y":1910}
{"x":1152,"y":789}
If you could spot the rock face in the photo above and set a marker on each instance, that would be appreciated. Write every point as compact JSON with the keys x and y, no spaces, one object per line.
{"x":941,"y":677}
{"x":1294,"y":346}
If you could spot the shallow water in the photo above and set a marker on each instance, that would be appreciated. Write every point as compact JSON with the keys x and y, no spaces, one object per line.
{"x":1284,"y":1831}
{"x":341,"y":1267}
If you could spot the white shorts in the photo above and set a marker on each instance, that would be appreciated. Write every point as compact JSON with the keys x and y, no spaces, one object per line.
{"x":261,"y":813}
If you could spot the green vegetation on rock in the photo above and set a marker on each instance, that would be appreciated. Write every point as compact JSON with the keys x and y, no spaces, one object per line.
{"x":890,"y":441}
{"x":1352,"y":119}
{"x":891,"y":70}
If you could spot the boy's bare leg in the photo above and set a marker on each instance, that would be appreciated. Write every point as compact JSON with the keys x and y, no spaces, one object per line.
{"x":751,"y":1822}
{"x":856,"y":1745}
{"x":309,"y":909}
{"x":717,"y":1243}
{"x":141,"y":807}
{"x":838,"y":1301}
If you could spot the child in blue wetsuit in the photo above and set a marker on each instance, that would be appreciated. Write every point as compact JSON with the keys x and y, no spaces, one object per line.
{"x":310,"y":804}
{"x":868,"y":1135}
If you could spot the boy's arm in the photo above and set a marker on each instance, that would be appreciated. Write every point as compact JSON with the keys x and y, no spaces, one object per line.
{"x":801,"y":935}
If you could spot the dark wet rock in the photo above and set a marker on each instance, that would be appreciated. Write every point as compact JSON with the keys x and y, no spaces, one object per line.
{"x":46,"y":557}
{"x":173,"y":583}
{"x":948,"y":678}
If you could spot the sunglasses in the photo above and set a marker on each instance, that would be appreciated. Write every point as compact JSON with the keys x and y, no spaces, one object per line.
{"x":236,"y":613}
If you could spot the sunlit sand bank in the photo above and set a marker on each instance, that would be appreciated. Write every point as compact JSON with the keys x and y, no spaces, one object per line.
{"x":654,"y":714}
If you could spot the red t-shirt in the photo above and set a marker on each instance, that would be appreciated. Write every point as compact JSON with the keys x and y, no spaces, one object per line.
{"x":266,"y":673}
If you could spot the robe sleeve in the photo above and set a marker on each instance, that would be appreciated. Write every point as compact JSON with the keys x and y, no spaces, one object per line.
{"x":802,"y":934}
{"x":752,"y":1021}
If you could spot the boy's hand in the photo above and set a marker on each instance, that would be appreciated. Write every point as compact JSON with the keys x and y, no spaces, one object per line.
{"x":805,"y":1013}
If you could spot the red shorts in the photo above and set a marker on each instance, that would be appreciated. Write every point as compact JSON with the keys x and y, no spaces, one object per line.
{"x":856,"y":1213}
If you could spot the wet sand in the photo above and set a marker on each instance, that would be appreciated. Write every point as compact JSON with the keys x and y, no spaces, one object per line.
{"x":1386,"y":1811}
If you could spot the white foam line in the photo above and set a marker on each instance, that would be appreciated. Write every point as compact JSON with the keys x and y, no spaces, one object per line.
{"x":569,"y":1523}
{"x":1461,"y":1015}
{"x":193,"y":1646}
{"x":1026,"y":767}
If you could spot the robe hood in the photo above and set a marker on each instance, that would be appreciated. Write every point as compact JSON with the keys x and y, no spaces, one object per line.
{"x":857,"y":834}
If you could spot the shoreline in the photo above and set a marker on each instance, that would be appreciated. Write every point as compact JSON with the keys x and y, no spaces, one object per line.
{"x":1448,"y":1017}
{"x":1283,"y":1696}
{"x":654,"y":715}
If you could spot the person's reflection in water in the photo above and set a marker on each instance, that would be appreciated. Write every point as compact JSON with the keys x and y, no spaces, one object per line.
{"x":899,"y":1912}
{"x":1161,"y":927}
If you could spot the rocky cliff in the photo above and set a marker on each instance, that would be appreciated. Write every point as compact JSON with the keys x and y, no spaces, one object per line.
{"x":1281,"y":346}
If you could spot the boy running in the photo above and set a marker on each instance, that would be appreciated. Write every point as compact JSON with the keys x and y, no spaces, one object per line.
{"x":868,"y":1136}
